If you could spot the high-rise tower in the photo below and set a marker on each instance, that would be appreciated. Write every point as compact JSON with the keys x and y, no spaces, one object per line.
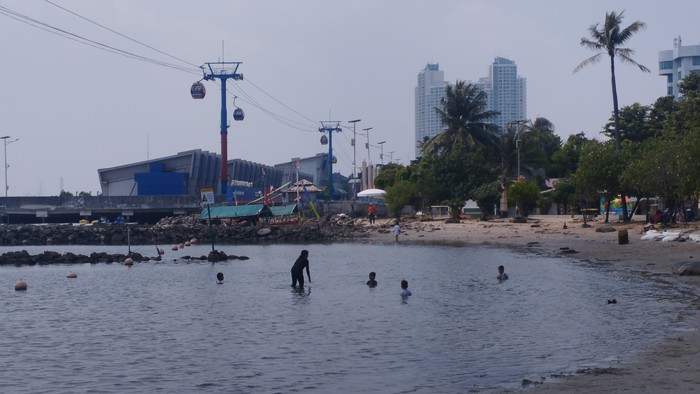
{"x":506,"y":91}
{"x":429,"y":94}
{"x":675,"y":64}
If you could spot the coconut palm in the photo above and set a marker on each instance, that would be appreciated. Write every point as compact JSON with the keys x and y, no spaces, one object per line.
{"x":466,"y":118}
{"x":606,"y":40}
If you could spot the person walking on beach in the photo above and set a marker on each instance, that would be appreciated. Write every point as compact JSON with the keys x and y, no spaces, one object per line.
{"x":501,"y":273}
{"x":397,"y":231}
{"x":298,"y":269}
{"x":405,"y":293}
{"x":372,"y":282}
{"x":371,"y":212}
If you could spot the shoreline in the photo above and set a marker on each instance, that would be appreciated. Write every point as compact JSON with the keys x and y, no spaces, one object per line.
{"x":671,"y":365}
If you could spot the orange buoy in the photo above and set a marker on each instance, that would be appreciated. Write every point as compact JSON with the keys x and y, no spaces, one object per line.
{"x":21,"y":285}
{"x":71,"y":275}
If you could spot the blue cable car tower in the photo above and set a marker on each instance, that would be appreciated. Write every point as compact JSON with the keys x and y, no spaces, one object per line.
{"x":222,"y":71}
{"x":330,"y":127}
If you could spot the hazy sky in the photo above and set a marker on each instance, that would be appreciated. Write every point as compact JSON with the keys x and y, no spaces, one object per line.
{"x":76,"y":108}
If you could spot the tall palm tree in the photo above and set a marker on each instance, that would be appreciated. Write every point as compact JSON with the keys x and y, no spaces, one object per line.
{"x":607,"y":40}
{"x":466,"y":118}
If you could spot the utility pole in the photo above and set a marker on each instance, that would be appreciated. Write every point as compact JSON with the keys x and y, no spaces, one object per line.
{"x":330,"y":127}
{"x":354,"y":155}
{"x":391,"y":156}
{"x":222,"y":71}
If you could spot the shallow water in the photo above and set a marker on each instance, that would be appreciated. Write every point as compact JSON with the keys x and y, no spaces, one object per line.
{"x":169,"y":327}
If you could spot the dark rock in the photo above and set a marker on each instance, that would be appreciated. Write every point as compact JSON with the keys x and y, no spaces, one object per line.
{"x":686,"y":268}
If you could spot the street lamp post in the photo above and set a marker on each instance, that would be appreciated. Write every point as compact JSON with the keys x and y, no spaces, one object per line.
{"x":518,"y":131}
{"x":5,"y":143}
{"x":369,"y":158}
{"x":354,"y":155}
{"x":381,"y":154}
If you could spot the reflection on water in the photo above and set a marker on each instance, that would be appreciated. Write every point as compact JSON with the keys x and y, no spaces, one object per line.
{"x":169,"y":326}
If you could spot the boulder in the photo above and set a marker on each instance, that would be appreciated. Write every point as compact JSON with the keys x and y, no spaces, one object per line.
{"x":686,"y":268}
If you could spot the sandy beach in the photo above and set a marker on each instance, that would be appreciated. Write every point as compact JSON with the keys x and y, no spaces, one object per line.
{"x":672,"y":366}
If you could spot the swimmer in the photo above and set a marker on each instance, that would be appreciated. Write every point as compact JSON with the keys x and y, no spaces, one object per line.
{"x":405,"y":293}
{"x":372,"y":282}
{"x":501,"y":273}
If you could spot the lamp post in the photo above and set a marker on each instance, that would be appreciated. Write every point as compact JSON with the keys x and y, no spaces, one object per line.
{"x":5,"y":143}
{"x":369,"y":158}
{"x":518,"y":131}
{"x":354,"y":155}
{"x":381,"y":154}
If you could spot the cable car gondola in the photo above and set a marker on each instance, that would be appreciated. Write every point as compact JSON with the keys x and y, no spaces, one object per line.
{"x":238,"y":114}
{"x":198,"y":91}
{"x":324,"y":140}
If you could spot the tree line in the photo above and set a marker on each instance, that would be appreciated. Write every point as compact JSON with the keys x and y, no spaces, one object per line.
{"x":647,"y":150}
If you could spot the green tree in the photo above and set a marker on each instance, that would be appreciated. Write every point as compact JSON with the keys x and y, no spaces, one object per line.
{"x":565,"y":160}
{"x":400,"y":194}
{"x":539,"y":143}
{"x":466,"y":117}
{"x":607,"y":40}
{"x":634,"y":124}
{"x":524,"y":195}
{"x":387,"y":175}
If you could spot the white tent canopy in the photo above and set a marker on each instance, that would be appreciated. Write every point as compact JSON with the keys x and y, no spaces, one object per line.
{"x":371,"y":193}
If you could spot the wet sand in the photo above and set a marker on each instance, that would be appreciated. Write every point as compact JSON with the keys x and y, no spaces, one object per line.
{"x":673,"y":365}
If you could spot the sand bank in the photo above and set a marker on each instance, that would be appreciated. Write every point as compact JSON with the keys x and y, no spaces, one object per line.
{"x":673,"y":365}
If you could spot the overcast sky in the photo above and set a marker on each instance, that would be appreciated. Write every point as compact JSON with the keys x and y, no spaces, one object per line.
{"x":76,"y":108}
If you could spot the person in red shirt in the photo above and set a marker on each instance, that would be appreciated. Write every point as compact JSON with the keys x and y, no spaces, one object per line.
{"x":371,"y":211}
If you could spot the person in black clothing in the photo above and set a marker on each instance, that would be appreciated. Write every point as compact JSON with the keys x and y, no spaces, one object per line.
{"x":298,"y":269}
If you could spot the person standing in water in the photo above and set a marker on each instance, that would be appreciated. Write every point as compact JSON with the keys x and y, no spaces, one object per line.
{"x":298,"y":269}
{"x":397,"y":231}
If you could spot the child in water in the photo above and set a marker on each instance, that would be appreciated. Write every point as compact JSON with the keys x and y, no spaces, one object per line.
{"x":405,"y":293}
{"x":501,"y":273}
{"x":372,"y":282}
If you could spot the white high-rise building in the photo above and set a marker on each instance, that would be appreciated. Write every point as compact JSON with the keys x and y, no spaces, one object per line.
{"x":675,"y":64}
{"x":429,"y":94}
{"x":506,"y":91}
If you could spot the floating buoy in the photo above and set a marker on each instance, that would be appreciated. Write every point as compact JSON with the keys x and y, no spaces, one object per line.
{"x":174,"y":247}
{"x":129,"y":261}
{"x":21,"y":285}
{"x":161,"y":251}
{"x":187,"y":243}
{"x":193,"y":241}
{"x":181,"y":246}
{"x":71,"y":275}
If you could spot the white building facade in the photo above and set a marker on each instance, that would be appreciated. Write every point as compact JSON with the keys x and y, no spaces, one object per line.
{"x":675,"y":64}
{"x":506,"y":91}
{"x":429,"y":93}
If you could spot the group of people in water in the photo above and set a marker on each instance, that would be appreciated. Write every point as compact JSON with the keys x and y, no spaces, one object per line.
{"x":302,"y":263}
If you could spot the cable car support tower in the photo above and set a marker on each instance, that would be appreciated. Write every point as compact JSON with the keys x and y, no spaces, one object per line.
{"x":222,"y":71}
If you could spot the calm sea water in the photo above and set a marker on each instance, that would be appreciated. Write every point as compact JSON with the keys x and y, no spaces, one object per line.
{"x":168,"y":327}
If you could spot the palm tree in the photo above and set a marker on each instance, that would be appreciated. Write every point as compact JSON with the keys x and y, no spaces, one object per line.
{"x":606,"y":40}
{"x":466,"y":118}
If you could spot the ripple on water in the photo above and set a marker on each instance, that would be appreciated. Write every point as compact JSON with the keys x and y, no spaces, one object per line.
{"x":169,"y":327}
